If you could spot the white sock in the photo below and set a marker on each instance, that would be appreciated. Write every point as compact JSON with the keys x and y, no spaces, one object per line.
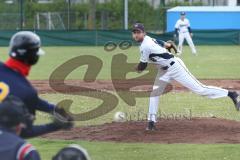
{"x":153,"y":108}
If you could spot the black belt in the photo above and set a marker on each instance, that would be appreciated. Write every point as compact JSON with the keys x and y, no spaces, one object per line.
{"x":163,"y":55}
{"x":166,"y":67}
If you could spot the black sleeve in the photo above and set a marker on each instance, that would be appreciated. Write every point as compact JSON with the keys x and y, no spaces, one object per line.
{"x":37,"y":130}
{"x":176,"y":31}
{"x":141,"y":66}
{"x":189,"y":30}
{"x":45,"y":106}
{"x":160,"y":42}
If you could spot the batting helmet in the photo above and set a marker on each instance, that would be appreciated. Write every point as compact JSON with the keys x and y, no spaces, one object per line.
{"x":13,"y":112}
{"x":25,"y":46}
{"x":72,"y":152}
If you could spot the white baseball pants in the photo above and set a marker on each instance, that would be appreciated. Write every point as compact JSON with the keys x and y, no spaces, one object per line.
{"x":179,"y":72}
{"x":186,"y":36}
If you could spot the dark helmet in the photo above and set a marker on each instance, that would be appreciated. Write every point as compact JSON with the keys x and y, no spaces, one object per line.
{"x":72,"y":152}
{"x":13,"y":112}
{"x":25,"y":47}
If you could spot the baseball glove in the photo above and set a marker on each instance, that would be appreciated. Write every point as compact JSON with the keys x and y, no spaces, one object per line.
{"x":172,"y":47}
{"x":62,"y":119}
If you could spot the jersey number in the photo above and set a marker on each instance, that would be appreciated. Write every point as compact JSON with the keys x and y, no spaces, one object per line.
{"x":4,"y":91}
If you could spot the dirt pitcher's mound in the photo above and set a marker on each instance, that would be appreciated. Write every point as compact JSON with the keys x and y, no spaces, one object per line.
{"x":197,"y":130}
{"x":43,"y":85}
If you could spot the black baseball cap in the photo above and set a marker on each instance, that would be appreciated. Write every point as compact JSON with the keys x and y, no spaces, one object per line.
{"x":138,"y":27}
{"x":183,"y":13}
{"x":13,"y":112}
{"x":72,"y":152}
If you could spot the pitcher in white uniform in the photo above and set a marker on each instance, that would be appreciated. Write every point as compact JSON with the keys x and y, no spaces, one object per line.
{"x":170,"y":68}
{"x":183,"y":31}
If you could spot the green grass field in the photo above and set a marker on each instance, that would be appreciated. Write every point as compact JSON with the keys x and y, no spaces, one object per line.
{"x":213,"y":62}
{"x":136,"y":151}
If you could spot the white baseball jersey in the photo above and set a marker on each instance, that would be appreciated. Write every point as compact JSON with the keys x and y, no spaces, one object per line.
{"x":176,"y":71}
{"x":182,"y":25}
{"x":150,"y":46}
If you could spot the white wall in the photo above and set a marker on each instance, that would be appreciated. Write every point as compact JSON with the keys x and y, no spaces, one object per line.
{"x":232,"y":2}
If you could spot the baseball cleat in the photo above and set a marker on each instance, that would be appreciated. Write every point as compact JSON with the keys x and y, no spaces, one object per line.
{"x":236,"y":100}
{"x":151,"y":126}
{"x":238,"y":104}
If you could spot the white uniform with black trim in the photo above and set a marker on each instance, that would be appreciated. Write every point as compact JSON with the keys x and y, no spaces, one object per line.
{"x":151,"y":52}
{"x":183,"y":33}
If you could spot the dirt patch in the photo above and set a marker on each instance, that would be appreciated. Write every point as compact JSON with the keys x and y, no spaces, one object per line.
{"x":197,"y":130}
{"x":43,"y":85}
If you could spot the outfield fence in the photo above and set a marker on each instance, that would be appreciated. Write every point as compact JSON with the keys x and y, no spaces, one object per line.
{"x":102,"y":37}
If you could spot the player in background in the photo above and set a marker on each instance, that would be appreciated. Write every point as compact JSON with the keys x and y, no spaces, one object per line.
{"x":170,"y":68}
{"x":183,"y":31}
{"x":24,"y":52}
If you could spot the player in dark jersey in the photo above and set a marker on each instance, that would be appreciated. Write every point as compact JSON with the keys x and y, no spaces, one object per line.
{"x":13,"y":118}
{"x":24,"y":52}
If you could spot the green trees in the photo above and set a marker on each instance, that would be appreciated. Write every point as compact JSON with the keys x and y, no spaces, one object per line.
{"x":91,"y":15}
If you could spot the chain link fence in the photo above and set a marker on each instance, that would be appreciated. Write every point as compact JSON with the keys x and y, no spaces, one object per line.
{"x":81,"y":14}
